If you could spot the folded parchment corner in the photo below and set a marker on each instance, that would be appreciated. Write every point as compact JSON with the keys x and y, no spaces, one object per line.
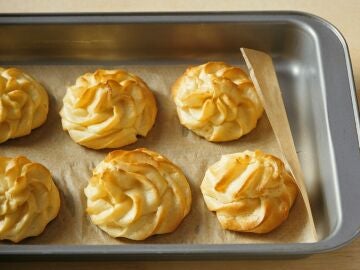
{"x":263,"y":75}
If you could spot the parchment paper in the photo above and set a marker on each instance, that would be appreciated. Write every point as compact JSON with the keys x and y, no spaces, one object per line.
{"x":262,"y":73}
{"x":71,"y":164}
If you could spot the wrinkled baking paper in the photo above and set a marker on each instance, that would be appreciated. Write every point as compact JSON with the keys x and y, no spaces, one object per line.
{"x":262,"y":73}
{"x":71,"y":164}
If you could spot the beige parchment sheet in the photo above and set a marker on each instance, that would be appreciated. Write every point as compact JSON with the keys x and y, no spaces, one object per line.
{"x":71,"y":165}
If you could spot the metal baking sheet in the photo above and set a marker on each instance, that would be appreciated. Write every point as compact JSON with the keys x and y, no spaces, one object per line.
{"x":313,"y":66}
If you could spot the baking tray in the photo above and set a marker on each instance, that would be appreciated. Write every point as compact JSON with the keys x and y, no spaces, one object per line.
{"x":314,"y":70}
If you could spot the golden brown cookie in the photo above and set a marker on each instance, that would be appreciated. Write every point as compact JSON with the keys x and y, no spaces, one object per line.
{"x":217,"y":101}
{"x":136,"y":194}
{"x":249,"y":191}
{"x":29,"y":199}
{"x":108,"y":109}
{"x":24,"y":104}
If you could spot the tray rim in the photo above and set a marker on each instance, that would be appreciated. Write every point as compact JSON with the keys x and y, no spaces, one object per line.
{"x":196,"y":251}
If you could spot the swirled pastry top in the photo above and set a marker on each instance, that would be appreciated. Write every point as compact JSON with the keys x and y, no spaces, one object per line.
{"x":108,"y":109}
{"x":217,"y":101}
{"x":29,"y":199}
{"x":24,"y":104}
{"x":249,"y":191}
{"x":136,"y":194}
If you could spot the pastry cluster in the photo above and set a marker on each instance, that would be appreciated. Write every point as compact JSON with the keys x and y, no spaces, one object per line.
{"x":217,"y":101}
{"x":108,"y":109}
{"x":24,"y":104}
{"x":136,"y":194}
{"x":29,"y":199}
{"x":249,"y":191}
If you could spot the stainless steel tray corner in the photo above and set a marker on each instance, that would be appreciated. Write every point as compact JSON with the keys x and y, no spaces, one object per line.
{"x":314,"y":70}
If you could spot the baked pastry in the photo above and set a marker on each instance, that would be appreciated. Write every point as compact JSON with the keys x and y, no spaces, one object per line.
{"x":249,"y":191}
{"x":136,"y":194}
{"x":24,"y":104}
{"x":108,"y":109}
{"x":217,"y":101}
{"x":29,"y":199}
